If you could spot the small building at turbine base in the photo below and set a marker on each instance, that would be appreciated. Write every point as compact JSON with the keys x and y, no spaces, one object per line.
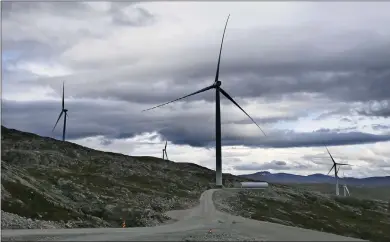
{"x":251,"y":185}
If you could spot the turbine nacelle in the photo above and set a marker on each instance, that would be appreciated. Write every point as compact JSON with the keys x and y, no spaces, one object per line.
{"x":217,"y":84}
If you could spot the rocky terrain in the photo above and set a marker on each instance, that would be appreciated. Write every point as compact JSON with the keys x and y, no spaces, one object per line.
{"x":299,"y":207}
{"x":47,"y":183}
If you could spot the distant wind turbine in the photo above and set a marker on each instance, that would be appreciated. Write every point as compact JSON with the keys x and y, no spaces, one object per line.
{"x":165,"y":151}
{"x":345,"y":188}
{"x":217,"y":86}
{"x":336,"y":170}
{"x":63,"y":110}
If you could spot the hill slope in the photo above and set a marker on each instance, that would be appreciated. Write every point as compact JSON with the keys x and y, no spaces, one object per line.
{"x":50,"y":180}
{"x":301,"y":207}
{"x":318,"y":178}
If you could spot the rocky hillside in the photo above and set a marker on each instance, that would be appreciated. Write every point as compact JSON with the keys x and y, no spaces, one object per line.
{"x":47,"y":183}
{"x":348,"y":216}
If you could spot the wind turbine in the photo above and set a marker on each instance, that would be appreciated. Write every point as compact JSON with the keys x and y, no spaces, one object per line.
{"x":336,"y":171}
{"x":217,"y":86}
{"x":345,"y":188}
{"x":165,"y":151}
{"x":63,"y":110}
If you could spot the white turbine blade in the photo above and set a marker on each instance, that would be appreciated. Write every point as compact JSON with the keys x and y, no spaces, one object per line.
{"x":330,"y":155}
{"x":337,"y":172}
{"x":200,"y":91}
{"x":235,"y":103}
{"x":220,"y":51}
{"x":330,"y":170}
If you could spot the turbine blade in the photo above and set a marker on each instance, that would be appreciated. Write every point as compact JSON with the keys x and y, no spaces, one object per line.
{"x":220,"y":50}
{"x":200,"y":91}
{"x":63,"y":95}
{"x":58,"y":120}
{"x":330,"y":170}
{"x":343,"y":164}
{"x":166,"y":142}
{"x":334,"y":162}
{"x":337,"y":172}
{"x":231,"y":99}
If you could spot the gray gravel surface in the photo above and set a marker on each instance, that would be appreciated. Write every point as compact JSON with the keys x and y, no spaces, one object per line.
{"x":191,"y":224}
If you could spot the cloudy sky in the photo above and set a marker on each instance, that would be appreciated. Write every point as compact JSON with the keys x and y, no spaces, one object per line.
{"x":311,"y":74}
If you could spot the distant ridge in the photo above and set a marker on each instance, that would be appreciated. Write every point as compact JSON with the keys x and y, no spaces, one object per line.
{"x":317,"y":178}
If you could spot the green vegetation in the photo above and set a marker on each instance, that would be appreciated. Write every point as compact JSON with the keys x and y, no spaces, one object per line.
{"x":347,"y":216}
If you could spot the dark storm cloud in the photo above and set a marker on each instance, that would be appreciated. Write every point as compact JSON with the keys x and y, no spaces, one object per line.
{"x":380,"y":127}
{"x":94,"y":118}
{"x":46,"y":43}
{"x":126,"y":120}
{"x":348,"y":120}
{"x":40,"y":45}
{"x":301,"y":63}
{"x":358,"y":74}
{"x":294,"y":139}
{"x":267,"y":120}
{"x":279,"y":163}
{"x":353,"y":87}
{"x":376,"y":109}
{"x":337,"y":130}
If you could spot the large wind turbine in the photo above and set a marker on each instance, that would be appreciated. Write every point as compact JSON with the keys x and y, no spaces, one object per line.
{"x":336,"y":171}
{"x":217,"y":86}
{"x":63,"y":110}
{"x":165,"y":154}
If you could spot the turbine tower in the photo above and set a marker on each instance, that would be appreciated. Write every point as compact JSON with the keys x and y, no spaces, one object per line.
{"x":63,"y":110}
{"x":165,"y":151}
{"x":336,"y":170}
{"x":218,"y":89}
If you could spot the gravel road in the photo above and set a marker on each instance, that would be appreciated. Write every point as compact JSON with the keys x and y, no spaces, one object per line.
{"x":202,"y":223}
